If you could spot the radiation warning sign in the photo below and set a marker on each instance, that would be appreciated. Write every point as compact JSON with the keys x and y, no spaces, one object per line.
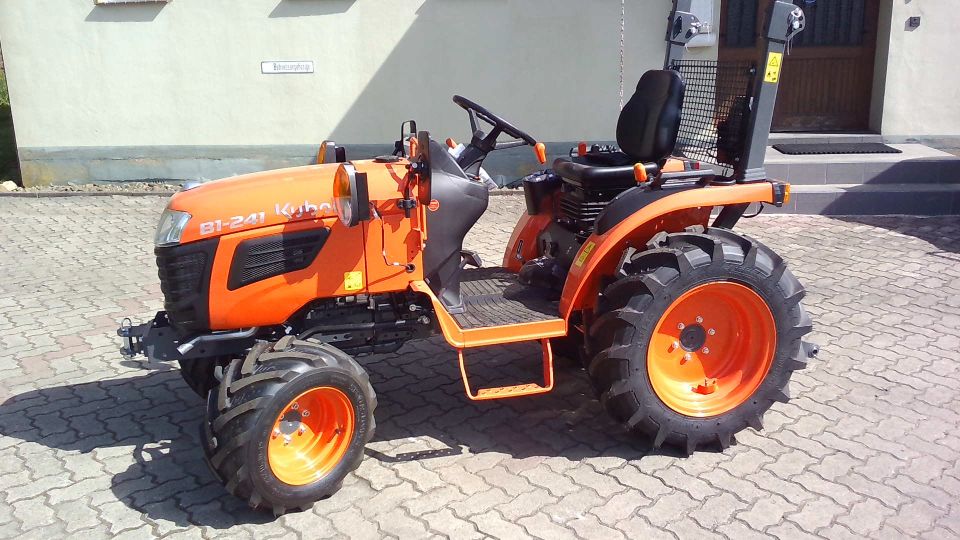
{"x":774,"y":63}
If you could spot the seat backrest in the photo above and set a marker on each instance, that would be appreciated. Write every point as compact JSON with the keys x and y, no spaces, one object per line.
{"x":649,"y":122}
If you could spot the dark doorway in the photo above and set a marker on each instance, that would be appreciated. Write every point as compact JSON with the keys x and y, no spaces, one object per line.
{"x":827,"y":80}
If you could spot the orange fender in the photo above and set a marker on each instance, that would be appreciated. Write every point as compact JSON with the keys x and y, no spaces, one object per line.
{"x":523,"y":242}
{"x":600,"y":254}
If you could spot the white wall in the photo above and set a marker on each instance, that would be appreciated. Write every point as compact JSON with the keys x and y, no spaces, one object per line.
{"x":188,"y":72}
{"x":917,"y":87}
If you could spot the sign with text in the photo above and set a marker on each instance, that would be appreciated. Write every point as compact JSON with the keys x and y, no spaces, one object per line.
{"x":280,"y":67}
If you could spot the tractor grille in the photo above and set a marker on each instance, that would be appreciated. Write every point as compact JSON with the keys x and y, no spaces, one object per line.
{"x":275,"y":255}
{"x":185,"y":281}
{"x":716,"y":110}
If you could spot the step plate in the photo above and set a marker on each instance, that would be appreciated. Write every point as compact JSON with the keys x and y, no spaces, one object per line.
{"x":511,"y":391}
{"x":494,"y":297}
{"x":502,"y":392}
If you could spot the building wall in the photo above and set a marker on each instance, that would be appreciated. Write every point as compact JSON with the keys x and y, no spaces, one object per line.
{"x":154,"y":85}
{"x":917,"y":85}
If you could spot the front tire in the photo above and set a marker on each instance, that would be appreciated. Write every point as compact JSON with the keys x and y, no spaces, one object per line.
{"x":697,"y":337}
{"x":200,"y":373}
{"x":288,"y":423}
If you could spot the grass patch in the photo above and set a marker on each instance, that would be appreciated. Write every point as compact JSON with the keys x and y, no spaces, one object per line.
{"x":9,"y":166}
{"x":4,"y":93}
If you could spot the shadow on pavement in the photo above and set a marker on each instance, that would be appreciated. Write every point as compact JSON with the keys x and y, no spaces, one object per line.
{"x":422,"y":415}
{"x":943,"y":232}
{"x":157,"y":417}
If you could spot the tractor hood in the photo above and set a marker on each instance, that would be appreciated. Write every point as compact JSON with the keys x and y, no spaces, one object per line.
{"x":257,"y":200}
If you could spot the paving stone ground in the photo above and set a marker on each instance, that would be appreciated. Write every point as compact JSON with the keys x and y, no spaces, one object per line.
{"x":94,"y":446}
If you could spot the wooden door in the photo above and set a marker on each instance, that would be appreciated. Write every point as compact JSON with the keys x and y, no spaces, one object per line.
{"x":827,"y":79}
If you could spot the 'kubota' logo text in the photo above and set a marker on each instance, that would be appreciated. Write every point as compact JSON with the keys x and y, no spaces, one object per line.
{"x":290,"y":211}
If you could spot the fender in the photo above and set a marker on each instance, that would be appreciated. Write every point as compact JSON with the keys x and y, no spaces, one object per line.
{"x":600,"y":254}
{"x":523,"y":242}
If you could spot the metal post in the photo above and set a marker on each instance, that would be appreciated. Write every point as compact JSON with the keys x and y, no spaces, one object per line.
{"x":682,"y":26}
{"x":785,"y":21}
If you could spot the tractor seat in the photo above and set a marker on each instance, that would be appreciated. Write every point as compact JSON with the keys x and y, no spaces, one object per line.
{"x":646,"y":133}
{"x":598,"y":176}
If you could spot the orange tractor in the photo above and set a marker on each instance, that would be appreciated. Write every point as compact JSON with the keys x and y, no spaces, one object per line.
{"x":273,"y":282}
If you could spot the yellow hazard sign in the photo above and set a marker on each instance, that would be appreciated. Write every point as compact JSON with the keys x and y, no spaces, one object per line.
{"x":774,"y":63}
{"x":353,"y":281}
{"x":585,"y":253}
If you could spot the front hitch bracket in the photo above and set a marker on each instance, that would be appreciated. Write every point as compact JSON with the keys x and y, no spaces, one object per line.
{"x":159,"y":341}
{"x":132,"y":337}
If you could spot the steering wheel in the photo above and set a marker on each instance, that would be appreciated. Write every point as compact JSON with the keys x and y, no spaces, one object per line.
{"x":499,"y":125}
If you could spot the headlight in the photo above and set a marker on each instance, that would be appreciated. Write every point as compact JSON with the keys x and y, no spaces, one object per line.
{"x":343,"y":193}
{"x":350,"y":195}
{"x":172,"y":224}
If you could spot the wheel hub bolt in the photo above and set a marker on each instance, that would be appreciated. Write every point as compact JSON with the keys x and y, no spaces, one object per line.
{"x":686,"y":358}
{"x":295,"y":406}
{"x":276,"y":433}
{"x":305,"y":413}
{"x":711,"y":331}
{"x":286,"y":440}
{"x":699,"y":319}
{"x":301,"y":430}
{"x":681,"y":326}
{"x":706,"y":350}
{"x":674,"y":346}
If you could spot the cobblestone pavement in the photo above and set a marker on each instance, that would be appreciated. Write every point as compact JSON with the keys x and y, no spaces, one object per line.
{"x":95,"y":446}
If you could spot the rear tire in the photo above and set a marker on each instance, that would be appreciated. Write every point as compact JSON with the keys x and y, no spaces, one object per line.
{"x":641,"y":385}
{"x":288,"y":423}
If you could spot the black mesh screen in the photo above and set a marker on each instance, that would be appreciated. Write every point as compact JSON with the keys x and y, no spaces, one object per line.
{"x":716,"y":110}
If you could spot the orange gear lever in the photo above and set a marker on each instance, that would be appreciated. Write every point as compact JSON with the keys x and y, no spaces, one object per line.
{"x":541,"y":150}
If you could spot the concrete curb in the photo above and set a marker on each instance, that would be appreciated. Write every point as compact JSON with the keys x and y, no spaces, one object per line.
{"x":49,"y":194}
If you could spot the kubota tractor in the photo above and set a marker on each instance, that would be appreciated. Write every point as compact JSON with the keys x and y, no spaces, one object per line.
{"x":273,"y":282}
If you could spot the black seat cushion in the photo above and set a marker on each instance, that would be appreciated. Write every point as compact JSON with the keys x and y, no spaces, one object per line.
{"x":593,"y":176}
{"x":605,"y":159}
{"x":649,"y":122}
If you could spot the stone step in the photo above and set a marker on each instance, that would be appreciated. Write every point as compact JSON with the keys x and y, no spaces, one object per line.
{"x":824,"y":138}
{"x":919,"y":199}
{"x":916,"y":164}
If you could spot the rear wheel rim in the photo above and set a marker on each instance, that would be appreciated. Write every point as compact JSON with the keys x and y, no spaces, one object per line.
{"x":711,"y":349}
{"x":310,"y":436}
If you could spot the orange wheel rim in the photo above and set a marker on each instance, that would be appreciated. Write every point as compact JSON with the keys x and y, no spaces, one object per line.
{"x":711,"y":349}
{"x":310,"y":436}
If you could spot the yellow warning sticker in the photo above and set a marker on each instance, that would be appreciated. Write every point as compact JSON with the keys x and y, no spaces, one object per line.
{"x":585,"y":253}
{"x":774,"y":63}
{"x":353,"y":281}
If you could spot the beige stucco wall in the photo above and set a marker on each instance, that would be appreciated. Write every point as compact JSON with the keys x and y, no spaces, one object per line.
{"x":917,"y":85}
{"x":188,"y":72}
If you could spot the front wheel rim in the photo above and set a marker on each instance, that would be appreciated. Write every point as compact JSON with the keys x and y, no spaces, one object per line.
{"x":711,"y":349}
{"x":310,"y":436}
